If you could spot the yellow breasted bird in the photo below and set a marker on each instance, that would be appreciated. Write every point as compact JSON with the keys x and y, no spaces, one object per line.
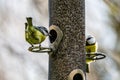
{"x":34,"y":34}
{"x":91,"y":48}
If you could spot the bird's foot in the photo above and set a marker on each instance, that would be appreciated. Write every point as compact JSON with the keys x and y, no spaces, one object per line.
{"x":31,"y":48}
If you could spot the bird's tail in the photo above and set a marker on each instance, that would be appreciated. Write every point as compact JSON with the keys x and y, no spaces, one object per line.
{"x":26,"y":26}
{"x":29,"y":21}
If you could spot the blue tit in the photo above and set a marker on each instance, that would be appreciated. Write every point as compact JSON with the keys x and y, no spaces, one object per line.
{"x":34,"y":34}
{"x":91,"y":48}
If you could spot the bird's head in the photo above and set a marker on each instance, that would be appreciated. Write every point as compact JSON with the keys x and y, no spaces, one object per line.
{"x":90,"y":40}
{"x":44,"y":30}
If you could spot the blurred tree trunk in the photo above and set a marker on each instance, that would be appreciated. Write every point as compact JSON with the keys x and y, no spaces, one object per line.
{"x":69,"y":15}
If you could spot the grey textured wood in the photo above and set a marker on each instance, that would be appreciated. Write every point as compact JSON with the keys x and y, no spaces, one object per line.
{"x":69,"y":15}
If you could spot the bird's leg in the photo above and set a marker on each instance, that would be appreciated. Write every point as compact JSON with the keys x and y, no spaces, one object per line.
{"x":32,"y":46}
{"x":39,"y":46}
{"x":87,"y":68}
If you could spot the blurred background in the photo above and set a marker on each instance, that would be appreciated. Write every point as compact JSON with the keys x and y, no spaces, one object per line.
{"x":17,"y":63}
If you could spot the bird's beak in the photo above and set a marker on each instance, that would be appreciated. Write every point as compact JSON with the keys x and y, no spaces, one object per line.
{"x":49,"y":34}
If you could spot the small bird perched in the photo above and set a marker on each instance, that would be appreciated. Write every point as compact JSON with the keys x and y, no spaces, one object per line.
{"x":91,"y":48}
{"x":34,"y":34}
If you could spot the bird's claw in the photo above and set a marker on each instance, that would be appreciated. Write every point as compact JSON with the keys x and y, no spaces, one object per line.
{"x":30,"y":48}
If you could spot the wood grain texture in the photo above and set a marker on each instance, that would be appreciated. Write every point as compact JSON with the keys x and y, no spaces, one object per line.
{"x":69,"y":15}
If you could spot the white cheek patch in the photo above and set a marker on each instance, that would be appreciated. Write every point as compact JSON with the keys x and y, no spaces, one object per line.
{"x":91,"y":41}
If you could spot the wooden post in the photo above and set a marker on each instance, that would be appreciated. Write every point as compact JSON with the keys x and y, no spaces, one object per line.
{"x":69,"y":16}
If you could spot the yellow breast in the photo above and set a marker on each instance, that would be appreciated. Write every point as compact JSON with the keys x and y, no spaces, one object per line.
{"x":34,"y":37}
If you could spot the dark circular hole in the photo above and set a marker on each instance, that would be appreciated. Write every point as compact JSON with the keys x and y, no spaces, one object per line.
{"x":53,"y":36}
{"x":77,"y":77}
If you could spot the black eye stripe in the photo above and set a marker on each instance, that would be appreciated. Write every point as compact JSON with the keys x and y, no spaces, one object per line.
{"x":89,"y":38}
{"x":46,"y":30}
{"x":42,"y":29}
